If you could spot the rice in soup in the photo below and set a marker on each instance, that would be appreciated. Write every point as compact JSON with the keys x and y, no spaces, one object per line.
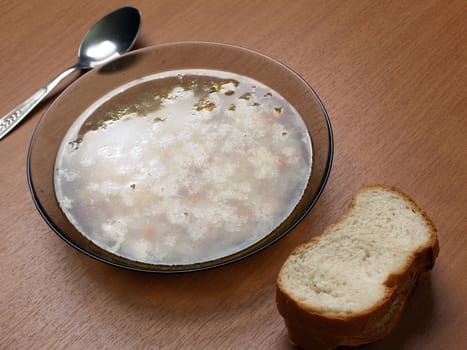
{"x":183,"y":167}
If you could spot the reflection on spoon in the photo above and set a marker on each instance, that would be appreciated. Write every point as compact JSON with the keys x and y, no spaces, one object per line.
{"x":103,"y":50}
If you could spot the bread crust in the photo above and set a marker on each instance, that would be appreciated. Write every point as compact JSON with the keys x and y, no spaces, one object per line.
{"x":310,"y":329}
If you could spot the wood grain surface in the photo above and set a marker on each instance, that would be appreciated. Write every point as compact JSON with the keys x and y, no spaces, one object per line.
{"x":393,"y":77}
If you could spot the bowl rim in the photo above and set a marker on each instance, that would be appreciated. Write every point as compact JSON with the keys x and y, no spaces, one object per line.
{"x":190,"y":267}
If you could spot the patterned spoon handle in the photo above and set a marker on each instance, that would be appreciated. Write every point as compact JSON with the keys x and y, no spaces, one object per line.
{"x":13,"y":118}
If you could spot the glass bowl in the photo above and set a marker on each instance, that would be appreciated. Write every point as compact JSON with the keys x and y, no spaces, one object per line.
{"x":141,"y":63}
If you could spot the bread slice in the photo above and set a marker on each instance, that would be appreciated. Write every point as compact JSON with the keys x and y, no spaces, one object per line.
{"x":350,"y":285}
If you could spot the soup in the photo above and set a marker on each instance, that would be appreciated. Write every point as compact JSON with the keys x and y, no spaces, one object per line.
{"x":183,"y":167}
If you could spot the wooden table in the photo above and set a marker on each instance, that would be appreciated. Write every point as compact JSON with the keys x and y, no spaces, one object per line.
{"x":393,"y":76}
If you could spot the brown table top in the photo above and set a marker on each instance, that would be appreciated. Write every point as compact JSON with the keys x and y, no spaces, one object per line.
{"x":393,"y":77}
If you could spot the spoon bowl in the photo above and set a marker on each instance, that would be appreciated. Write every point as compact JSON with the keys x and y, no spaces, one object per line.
{"x":107,"y":39}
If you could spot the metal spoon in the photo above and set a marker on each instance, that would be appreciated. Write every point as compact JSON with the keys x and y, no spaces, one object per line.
{"x":110,"y":37}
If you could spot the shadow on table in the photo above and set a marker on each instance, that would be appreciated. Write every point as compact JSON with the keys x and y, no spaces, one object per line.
{"x":415,"y":322}
{"x":229,"y":286}
{"x":246,"y":285}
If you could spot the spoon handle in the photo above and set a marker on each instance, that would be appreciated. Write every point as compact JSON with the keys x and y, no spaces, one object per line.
{"x":14,"y":117}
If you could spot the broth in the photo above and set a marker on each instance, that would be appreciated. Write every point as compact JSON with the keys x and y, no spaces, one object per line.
{"x":183,"y":167}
